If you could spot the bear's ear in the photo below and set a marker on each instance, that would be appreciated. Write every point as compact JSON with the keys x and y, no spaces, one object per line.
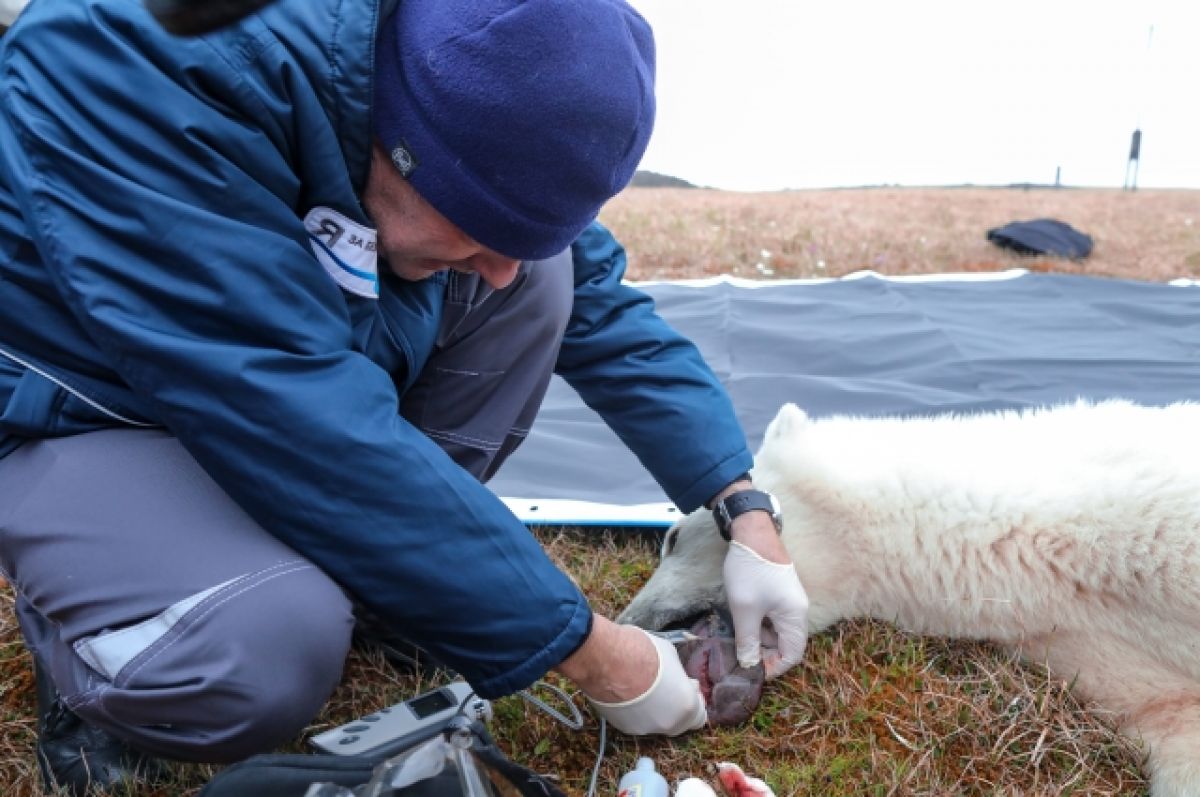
{"x":788,"y":421}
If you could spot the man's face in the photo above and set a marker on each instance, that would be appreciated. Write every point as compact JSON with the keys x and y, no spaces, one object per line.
{"x":415,"y":240}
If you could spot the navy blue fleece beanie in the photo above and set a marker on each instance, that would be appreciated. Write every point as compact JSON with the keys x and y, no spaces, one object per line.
{"x":516,"y":120}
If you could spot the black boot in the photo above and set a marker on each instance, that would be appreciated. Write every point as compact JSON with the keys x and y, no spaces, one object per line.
{"x":76,"y":756}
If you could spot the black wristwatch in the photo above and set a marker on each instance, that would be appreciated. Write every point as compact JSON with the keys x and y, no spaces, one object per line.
{"x":734,"y":504}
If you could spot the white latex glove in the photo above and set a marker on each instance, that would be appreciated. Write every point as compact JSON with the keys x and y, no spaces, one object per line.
{"x":672,"y":705}
{"x":756,"y":590}
{"x":694,"y":787}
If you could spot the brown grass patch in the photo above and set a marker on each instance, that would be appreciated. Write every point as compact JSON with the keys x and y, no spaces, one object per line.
{"x":674,"y":233}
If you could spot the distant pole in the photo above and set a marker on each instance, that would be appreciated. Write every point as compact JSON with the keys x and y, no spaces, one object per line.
{"x":1135,"y":145}
{"x":1135,"y":148}
{"x":1058,"y":177}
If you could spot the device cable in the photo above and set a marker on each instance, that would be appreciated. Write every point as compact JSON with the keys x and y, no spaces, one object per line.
{"x":575,"y":722}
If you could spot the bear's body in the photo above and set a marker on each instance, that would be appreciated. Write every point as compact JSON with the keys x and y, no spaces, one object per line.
{"x":1070,"y":533}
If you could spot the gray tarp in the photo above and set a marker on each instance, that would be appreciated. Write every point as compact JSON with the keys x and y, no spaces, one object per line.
{"x":870,"y":346}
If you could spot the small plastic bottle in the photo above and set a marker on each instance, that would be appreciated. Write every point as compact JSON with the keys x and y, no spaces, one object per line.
{"x":643,"y":781}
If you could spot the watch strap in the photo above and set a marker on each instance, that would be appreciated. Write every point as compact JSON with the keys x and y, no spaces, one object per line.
{"x":735,"y":504}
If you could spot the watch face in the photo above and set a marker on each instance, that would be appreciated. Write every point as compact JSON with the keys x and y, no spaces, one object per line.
{"x":778,"y":512}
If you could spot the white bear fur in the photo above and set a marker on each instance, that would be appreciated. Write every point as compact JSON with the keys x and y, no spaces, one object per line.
{"x":1070,"y":533}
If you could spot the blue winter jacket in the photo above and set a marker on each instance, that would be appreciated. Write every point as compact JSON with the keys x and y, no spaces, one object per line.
{"x":155,"y":271}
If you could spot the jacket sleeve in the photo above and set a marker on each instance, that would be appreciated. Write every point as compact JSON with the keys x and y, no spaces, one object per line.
{"x":647,"y":381}
{"x":161,"y":190}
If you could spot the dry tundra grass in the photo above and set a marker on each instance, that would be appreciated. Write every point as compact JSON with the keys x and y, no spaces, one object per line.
{"x":871,"y":711}
{"x":676,"y":233}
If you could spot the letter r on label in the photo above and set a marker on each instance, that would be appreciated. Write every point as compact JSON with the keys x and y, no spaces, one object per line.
{"x":333,"y":230}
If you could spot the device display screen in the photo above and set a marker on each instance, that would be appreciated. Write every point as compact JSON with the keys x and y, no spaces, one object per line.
{"x":430,"y":704}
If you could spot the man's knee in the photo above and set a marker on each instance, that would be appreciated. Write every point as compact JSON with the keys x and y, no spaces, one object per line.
{"x":282,"y":673}
{"x":241,"y":678}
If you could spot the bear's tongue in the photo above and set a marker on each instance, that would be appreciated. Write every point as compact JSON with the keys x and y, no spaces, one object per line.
{"x":731,"y":692}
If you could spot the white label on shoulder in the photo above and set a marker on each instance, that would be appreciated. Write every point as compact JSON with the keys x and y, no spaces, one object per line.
{"x":346,"y":249}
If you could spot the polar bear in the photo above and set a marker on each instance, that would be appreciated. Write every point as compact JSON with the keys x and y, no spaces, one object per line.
{"x":1070,"y":533}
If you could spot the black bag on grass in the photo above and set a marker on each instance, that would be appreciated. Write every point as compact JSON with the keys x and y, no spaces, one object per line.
{"x":1042,"y":237}
{"x":290,"y":775}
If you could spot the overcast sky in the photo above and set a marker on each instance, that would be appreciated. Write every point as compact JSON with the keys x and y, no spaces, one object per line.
{"x":769,"y":94}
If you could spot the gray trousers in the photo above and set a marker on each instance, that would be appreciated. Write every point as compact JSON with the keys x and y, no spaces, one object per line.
{"x":168,"y":617}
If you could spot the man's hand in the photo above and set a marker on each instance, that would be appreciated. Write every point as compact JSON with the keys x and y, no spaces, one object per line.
{"x":761,"y":583}
{"x":636,"y":681}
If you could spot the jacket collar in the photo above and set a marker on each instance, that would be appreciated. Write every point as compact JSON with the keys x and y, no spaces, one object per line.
{"x":339,"y":38}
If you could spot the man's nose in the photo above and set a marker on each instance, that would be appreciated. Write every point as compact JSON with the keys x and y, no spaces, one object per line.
{"x":496,"y":270}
